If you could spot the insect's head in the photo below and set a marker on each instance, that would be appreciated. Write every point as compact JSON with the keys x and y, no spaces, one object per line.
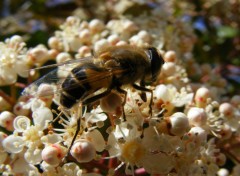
{"x":156,"y":62}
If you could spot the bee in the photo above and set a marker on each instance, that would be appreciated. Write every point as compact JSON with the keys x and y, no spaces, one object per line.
{"x":110,"y":69}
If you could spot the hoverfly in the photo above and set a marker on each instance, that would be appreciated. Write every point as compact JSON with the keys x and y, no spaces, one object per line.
{"x":111,"y":68}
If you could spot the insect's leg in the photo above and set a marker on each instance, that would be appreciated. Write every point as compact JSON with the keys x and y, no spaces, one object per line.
{"x":124,"y":100}
{"x":96,"y":97}
{"x":145,"y":90}
{"x":143,"y":94}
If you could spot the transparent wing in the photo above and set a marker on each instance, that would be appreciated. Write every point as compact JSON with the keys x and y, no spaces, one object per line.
{"x":54,"y":78}
{"x":69,"y":62}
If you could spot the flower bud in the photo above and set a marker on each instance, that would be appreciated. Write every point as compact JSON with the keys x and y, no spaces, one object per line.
{"x":223,"y":172}
{"x":226,"y":132}
{"x":100,"y":44}
{"x":235,"y":100}
{"x":71,"y":20}
{"x":168,"y":68}
{"x":220,"y":159}
{"x":202,"y":94}
{"x":121,"y":43}
{"x":113,"y":39}
{"x":96,"y":25}
{"x":145,"y":36}
{"x":83,"y":151}
{"x":53,"y":154}
{"x":170,"y":56}
{"x":179,"y":123}
{"x":2,"y":137}
{"x":38,"y":54}
{"x":129,"y":26}
{"x":84,"y":50}
{"x":197,"y":135}
{"x":20,"y":109}
{"x":197,"y":116}
{"x":63,"y":57}
{"x":85,"y":36}
{"x":54,"y":43}
{"x":226,"y":109}
{"x":6,"y":120}
{"x":16,"y":39}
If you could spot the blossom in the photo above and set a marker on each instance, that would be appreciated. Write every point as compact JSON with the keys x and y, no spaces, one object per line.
{"x":169,"y":130}
{"x":170,"y":97}
{"x":13,"y":60}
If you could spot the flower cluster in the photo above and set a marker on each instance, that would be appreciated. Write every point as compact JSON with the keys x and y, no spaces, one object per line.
{"x":180,"y":129}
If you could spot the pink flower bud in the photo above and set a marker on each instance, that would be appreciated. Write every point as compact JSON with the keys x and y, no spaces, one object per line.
{"x":197,"y":116}
{"x":226,"y":109}
{"x":202,"y":94}
{"x":6,"y":120}
{"x":96,"y":25}
{"x":20,"y":109}
{"x":113,"y":39}
{"x":83,"y":151}
{"x":53,"y":154}
{"x":170,"y":56}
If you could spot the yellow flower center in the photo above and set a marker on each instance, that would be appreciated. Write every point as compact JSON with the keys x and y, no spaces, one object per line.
{"x":132,"y":151}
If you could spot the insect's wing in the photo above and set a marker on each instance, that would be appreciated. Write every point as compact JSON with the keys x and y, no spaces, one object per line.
{"x":54,"y":78}
{"x":50,"y":79}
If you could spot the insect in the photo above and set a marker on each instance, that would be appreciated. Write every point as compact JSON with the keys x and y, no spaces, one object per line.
{"x":110,"y":69}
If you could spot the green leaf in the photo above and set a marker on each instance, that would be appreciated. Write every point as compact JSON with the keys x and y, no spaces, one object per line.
{"x":227,"y":32}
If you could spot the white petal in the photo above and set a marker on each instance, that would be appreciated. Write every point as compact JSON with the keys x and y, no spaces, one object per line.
{"x":21,"y":123}
{"x":8,"y":75}
{"x":51,"y":138}
{"x":33,"y":156}
{"x":13,"y":144}
{"x":42,"y":116}
{"x":22,"y":68}
{"x":162,"y":92}
{"x":97,"y":139}
{"x":114,"y":149}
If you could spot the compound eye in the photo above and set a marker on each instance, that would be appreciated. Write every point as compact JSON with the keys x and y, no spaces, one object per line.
{"x":156,"y":62}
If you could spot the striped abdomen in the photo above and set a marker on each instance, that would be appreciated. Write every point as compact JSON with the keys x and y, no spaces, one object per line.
{"x":81,"y":82}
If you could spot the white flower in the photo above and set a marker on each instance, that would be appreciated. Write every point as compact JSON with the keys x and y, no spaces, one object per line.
{"x":41,"y":117}
{"x":170,"y":97}
{"x":13,"y":144}
{"x":13,"y":60}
